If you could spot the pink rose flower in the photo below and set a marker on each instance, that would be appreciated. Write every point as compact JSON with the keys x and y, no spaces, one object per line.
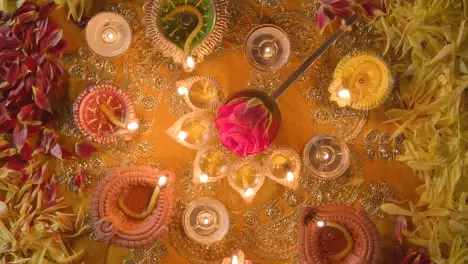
{"x":244,"y":126}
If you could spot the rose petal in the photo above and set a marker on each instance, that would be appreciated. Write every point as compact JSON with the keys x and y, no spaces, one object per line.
{"x":84,"y":149}
{"x":79,"y":180}
{"x":45,"y":10}
{"x":56,"y":151}
{"x":41,"y":99}
{"x":20,"y":133}
{"x":27,"y":17}
{"x":13,"y":74}
{"x":400,"y":225}
{"x":59,"y":48}
{"x":51,"y":39}
{"x":372,"y":10}
{"x":343,"y":12}
{"x":16,"y":163}
{"x":66,"y":154}
{"x":26,"y":151}
{"x":38,"y":175}
{"x":321,"y":18}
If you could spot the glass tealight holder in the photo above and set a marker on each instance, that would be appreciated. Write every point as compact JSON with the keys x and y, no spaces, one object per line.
{"x":108,"y":34}
{"x":267,"y":48}
{"x":200,"y":92}
{"x":210,"y":165}
{"x":206,"y":221}
{"x":191,"y":130}
{"x":246,"y":177}
{"x":283,"y":165}
{"x":326,"y":157}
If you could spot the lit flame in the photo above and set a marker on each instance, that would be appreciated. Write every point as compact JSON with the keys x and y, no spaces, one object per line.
{"x":290,"y":176}
{"x":182,"y":90}
{"x":320,"y":223}
{"x":162,"y":181}
{"x":132,"y":126}
{"x":235,"y":260}
{"x":344,"y":93}
{"x":249,"y":192}
{"x":182,"y":135}
{"x":190,"y":62}
{"x":204,"y":178}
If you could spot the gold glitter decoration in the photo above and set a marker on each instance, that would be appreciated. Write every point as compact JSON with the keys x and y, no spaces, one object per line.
{"x":274,"y":240}
{"x":198,"y":253}
{"x":268,"y":3}
{"x":243,"y":18}
{"x":376,"y":194}
{"x":363,"y":37}
{"x":148,"y":255}
{"x":302,"y":31}
{"x":126,"y":11}
{"x":89,"y":67}
{"x":191,"y":190}
{"x":311,"y":7}
{"x":267,"y":81}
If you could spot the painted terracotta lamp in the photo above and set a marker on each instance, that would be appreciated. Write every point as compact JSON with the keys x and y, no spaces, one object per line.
{"x":119,"y":212}
{"x":104,"y":113}
{"x":337,"y":234}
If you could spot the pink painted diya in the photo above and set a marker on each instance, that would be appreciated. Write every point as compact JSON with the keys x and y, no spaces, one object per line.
{"x":133,"y":229}
{"x":338,"y":234}
{"x":91,"y":120}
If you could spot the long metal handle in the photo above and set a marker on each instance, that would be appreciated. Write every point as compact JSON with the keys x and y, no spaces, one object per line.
{"x":308,"y":62}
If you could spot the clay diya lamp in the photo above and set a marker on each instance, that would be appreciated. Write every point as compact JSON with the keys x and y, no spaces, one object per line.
{"x":104,"y":113}
{"x":337,"y":234}
{"x":133,"y":206}
{"x":270,"y":100}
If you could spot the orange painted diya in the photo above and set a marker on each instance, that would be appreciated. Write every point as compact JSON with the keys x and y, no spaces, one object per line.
{"x":116,"y":206}
{"x":93,"y":122}
{"x":338,"y":234}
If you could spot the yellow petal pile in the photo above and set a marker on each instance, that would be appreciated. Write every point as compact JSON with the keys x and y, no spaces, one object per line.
{"x":428,"y":40}
{"x":366,"y":77}
{"x":31,"y":232}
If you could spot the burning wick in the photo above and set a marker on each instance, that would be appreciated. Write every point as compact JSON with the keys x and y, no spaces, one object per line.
{"x":344,"y":93}
{"x":320,"y":223}
{"x":204,"y":178}
{"x":132,"y":126}
{"x":290,"y":176}
{"x":182,"y":135}
{"x":325,"y":155}
{"x":206,"y":221}
{"x":190,"y":62}
{"x":109,"y":35}
{"x":249,"y":192}
{"x":182,"y":90}
{"x":162,"y":181}
{"x":235,"y":260}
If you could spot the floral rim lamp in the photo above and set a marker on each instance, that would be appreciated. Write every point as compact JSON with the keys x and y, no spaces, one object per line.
{"x":362,"y":81}
{"x":186,"y":30}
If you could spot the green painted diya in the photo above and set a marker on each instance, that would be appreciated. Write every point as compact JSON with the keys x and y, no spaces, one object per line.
{"x":186,"y":30}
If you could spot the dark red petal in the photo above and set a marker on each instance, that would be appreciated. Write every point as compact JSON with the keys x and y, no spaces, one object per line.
{"x":10,"y":55}
{"x":59,"y":48}
{"x":45,"y":11}
{"x":372,"y":10}
{"x":4,"y":16}
{"x":51,"y":39}
{"x":20,"y":133}
{"x":79,"y":180}
{"x":56,"y":151}
{"x":40,"y":149}
{"x":41,"y":99}
{"x":25,"y":112}
{"x":84,"y":149}
{"x":342,"y":12}
{"x":48,"y":139}
{"x":8,"y":43}
{"x":38,"y":175}
{"x":13,"y":74}
{"x":26,"y":7}
{"x":4,"y":115}
{"x":33,"y":61}
{"x":26,"y":151}
{"x":66,"y":154}
{"x":16,"y":163}
{"x":27,"y":17}
{"x":321,"y":18}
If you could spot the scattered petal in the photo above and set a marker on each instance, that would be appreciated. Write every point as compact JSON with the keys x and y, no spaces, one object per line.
{"x":322,"y":19}
{"x":20,"y":133}
{"x":56,"y":151}
{"x":79,"y":180}
{"x":41,"y":99}
{"x":84,"y":149}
